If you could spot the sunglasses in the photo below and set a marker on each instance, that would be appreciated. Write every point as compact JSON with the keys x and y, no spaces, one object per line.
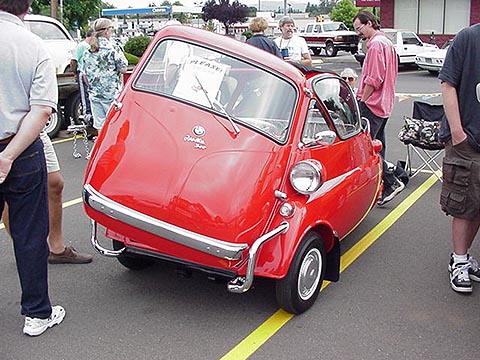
{"x":348,"y":78}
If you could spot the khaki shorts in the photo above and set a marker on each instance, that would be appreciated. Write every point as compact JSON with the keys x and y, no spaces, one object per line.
{"x":460,"y":196}
{"x":50,"y":155}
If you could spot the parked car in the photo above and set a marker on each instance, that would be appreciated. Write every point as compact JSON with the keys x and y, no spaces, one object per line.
{"x":433,"y":60}
{"x":60,"y":45}
{"x":331,"y":36}
{"x":221,"y":158}
{"x":407,"y":45}
{"x":57,"y":39}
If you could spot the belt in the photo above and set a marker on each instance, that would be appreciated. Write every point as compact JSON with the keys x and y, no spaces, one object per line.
{"x":6,"y":140}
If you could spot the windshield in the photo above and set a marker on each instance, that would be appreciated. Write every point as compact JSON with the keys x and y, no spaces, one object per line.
{"x":334,"y":26}
{"x":221,"y":83}
{"x":47,"y":31}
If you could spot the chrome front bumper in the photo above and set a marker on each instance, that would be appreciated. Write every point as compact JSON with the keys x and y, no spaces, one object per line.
{"x":215,"y":247}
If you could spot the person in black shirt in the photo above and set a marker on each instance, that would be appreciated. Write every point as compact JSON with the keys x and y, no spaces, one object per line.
{"x":258,"y":26}
{"x":460,"y":131}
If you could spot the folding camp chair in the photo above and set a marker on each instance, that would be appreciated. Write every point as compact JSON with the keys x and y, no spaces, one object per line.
{"x":420,"y":135}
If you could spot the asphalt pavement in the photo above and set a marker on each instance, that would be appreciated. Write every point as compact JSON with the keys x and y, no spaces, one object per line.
{"x":393,"y":300}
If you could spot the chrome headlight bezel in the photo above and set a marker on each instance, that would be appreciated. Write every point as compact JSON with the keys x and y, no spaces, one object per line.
{"x":306,"y":176}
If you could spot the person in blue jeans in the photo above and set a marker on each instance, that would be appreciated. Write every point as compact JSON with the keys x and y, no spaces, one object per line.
{"x":28,"y":94}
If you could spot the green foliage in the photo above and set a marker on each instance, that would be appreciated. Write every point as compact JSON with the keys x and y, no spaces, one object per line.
{"x":228,"y":14}
{"x":324,"y":7}
{"x":248,"y":34}
{"x":136,"y":45}
{"x":132,"y":59}
{"x":344,"y":11}
{"x":76,"y":13}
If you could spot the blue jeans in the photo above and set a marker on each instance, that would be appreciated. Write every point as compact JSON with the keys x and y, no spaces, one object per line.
{"x":377,"y":131}
{"x":25,"y":191}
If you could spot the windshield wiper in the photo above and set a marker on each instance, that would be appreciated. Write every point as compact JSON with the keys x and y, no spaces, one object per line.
{"x":216,"y":104}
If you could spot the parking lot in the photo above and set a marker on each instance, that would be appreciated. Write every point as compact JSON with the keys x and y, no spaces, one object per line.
{"x":393,"y":300}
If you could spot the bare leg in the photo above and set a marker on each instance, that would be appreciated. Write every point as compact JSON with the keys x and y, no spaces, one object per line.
{"x":55,"y":190}
{"x":463,"y":233}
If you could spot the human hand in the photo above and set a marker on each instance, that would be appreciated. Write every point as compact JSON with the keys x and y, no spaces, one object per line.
{"x":458,"y":138}
{"x":5,"y":166}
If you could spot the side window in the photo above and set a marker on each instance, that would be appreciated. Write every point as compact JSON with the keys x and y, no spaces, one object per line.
{"x":309,"y":28}
{"x":314,"y":123}
{"x":337,"y":97}
{"x":318,"y":28}
{"x":410,"y":38}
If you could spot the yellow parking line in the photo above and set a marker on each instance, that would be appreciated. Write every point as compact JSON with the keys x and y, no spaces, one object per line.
{"x":266,"y":330}
{"x":64,"y":205}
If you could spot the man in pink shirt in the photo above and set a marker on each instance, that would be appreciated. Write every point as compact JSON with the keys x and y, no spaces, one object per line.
{"x":376,"y":90}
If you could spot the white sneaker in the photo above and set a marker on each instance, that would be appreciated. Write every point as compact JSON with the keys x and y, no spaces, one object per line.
{"x":36,"y":326}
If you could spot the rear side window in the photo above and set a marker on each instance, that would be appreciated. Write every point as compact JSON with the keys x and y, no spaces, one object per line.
{"x":47,"y":31}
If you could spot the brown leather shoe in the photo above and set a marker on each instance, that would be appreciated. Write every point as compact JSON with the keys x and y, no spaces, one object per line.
{"x":69,"y":256}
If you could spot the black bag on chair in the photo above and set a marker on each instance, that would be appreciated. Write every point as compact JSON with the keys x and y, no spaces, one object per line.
{"x":421,"y":133}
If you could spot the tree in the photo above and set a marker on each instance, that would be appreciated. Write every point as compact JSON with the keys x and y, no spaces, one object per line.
{"x":344,"y":11}
{"x":76,"y":13}
{"x":228,"y":14}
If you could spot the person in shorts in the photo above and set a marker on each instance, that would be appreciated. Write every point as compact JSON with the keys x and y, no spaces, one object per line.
{"x":460,"y":131}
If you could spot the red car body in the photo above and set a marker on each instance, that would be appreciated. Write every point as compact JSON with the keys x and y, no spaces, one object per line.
{"x":242,"y":166}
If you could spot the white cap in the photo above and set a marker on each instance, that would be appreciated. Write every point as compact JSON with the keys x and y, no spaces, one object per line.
{"x":348,"y":73}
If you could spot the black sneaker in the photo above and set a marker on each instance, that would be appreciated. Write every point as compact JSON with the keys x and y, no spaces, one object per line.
{"x":459,"y":277}
{"x":389,"y":192}
{"x":473,"y":269}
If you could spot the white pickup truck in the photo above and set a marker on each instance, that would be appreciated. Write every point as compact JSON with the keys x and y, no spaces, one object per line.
{"x":331,"y":36}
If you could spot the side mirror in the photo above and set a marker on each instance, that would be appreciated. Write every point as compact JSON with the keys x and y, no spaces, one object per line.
{"x":326,"y":137}
{"x":478,"y":92}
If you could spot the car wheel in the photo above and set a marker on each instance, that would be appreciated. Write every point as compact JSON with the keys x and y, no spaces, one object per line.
{"x":330,"y":50}
{"x":132,"y":262}
{"x":73,"y":108}
{"x":54,"y":124}
{"x":316,"y":51}
{"x":299,"y":289}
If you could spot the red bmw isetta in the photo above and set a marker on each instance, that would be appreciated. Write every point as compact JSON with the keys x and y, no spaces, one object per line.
{"x":220,"y":157}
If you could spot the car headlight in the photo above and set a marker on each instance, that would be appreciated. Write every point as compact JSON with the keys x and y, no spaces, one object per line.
{"x":338,"y":38}
{"x":306,"y":176}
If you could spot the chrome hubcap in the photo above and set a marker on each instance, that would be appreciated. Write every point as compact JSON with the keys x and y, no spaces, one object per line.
{"x":309,"y":275}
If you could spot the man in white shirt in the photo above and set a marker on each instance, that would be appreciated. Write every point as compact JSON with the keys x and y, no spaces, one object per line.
{"x":293,"y":47}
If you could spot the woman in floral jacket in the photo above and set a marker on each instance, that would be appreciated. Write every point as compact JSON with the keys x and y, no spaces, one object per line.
{"x":104,"y":65}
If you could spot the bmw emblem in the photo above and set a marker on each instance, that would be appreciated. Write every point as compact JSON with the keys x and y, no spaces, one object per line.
{"x":198,"y":130}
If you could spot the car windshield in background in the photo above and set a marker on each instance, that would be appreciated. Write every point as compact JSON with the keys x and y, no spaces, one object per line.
{"x":223,"y":84}
{"x":334,"y":26}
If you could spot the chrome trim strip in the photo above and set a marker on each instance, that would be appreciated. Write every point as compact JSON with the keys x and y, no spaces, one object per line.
{"x":242,"y":283}
{"x":206,"y":244}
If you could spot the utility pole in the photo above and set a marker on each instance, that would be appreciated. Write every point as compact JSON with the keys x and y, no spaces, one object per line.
{"x":54,"y":9}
